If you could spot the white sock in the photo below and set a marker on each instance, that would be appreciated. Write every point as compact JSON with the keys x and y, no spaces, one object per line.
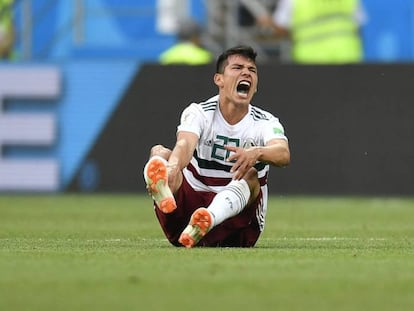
{"x":229,"y":202}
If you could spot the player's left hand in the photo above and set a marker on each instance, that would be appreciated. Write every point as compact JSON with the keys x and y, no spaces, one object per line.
{"x":245,"y":160}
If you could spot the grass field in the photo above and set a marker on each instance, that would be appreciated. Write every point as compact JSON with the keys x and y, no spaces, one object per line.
{"x":107,"y":252}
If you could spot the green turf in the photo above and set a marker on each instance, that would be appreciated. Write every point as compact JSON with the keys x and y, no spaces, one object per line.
{"x":107,"y":252}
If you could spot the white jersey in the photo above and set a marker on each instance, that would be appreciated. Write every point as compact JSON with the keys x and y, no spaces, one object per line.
{"x":208,"y":169}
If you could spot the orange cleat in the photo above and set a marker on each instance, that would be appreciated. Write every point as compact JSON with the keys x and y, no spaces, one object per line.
{"x":156,"y":177}
{"x":200,"y":223}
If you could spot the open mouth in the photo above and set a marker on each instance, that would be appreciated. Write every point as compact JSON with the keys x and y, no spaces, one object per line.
{"x":243,"y":88}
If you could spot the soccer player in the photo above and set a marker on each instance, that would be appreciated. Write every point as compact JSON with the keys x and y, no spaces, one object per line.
{"x":211,"y":188}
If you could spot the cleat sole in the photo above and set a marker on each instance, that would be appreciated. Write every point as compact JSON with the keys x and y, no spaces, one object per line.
{"x":200,"y":224}
{"x":156,"y":177}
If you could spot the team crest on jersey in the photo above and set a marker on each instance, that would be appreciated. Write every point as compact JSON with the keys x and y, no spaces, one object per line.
{"x":248,"y":143}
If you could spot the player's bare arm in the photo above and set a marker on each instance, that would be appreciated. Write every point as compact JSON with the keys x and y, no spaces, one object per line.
{"x":275,"y":153}
{"x":180,"y":157}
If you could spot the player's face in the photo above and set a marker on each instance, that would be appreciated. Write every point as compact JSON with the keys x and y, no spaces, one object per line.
{"x":238,"y":82}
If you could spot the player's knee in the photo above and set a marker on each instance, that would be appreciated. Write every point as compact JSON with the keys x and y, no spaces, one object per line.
{"x":252,"y":180}
{"x":251,"y":176}
{"x":161,"y":151}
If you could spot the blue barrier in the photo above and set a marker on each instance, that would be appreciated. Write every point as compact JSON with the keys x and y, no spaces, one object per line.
{"x":89,"y":94}
{"x":389,"y":33}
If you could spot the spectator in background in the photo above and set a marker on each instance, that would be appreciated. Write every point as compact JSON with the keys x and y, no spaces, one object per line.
{"x":6,"y":29}
{"x":188,"y":50}
{"x":321,"y":31}
{"x":259,"y":11}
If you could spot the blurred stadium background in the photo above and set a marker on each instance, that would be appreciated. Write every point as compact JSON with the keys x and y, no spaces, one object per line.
{"x":83,"y":98}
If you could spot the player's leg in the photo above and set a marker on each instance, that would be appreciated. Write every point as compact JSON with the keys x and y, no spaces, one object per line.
{"x":242,"y":230}
{"x":188,"y":200}
{"x":156,"y":178}
{"x":226,"y":204}
{"x":235,"y":197}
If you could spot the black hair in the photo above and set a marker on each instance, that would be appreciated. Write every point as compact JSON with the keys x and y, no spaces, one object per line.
{"x":246,"y":51}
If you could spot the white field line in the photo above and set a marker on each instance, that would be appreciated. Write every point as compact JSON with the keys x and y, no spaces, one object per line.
{"x":310,"y":239}
{"x":316,"y":239}
{"x":327,"y":239}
